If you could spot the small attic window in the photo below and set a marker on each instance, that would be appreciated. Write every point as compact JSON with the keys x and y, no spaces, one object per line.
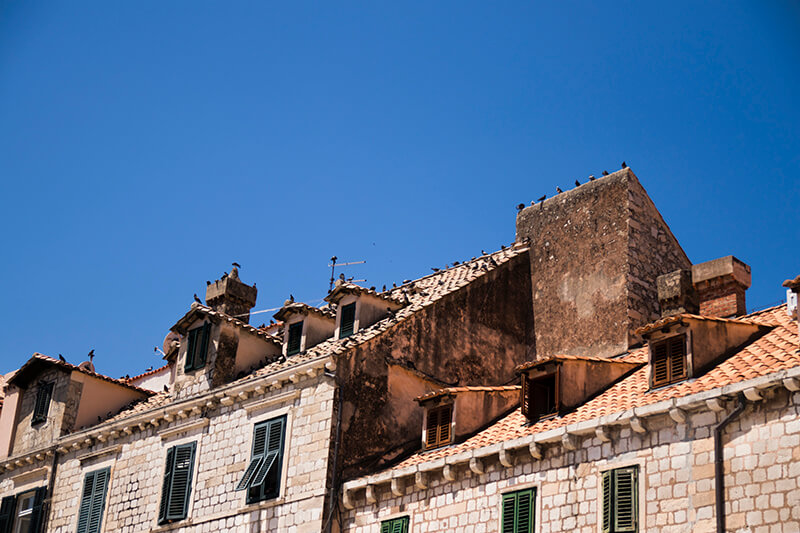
{"x":438,"y":426}
{"x":668,"y":361}
{"x":43,"y":396}
{"x":540,"y":396}
{"x":348,"y":321}
{"x":295,"y":334}
{"x":197,"y":348}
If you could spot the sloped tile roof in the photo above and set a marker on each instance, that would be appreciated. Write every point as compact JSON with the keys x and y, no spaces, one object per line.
{"x":304,"y":309}
{"x":777,"y":350}
{"x":200,"y":309}
{"x":545,"y":360}
{"x":456,"y":390}
{"x":146,"y":374}
{"x":677,"y":318}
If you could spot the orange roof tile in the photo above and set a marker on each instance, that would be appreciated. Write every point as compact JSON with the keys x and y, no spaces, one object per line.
{"x":456,"y":390}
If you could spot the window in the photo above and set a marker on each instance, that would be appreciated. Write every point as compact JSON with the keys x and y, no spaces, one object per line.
{"x":93,"y":500}
{"x":540,"y":396}
{"x":669,"y":360}
{"x":517,"y":512}
{"x":22,"y":513}
{"x":395,"y":525}
{"x":177,"y":483}
{"x":262,"y":477}
{"x":348,"y":320}
{"x":620,"y":502}
{"x":438,"y":426}
{"x":198,"y":347}
{"x":295,"y":334}
{"x":42,"y":406}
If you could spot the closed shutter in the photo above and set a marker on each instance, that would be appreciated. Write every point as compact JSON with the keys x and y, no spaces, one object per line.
{"x":445,"y":421}
{"x":524,"y":401}
{"x":90,"y":515}
{"x":669,"y":360}
{"x":295,"y":335}
{"x":43,"y":396}
{"x":438,"y":426}
{"x":200,"y":356}
{"x":431,"y":428}
{"x":7,"y":513}
{"x":396,"y":525}
{"x":607,"y":502}
{"x":37,"y":515}
{"x":677,"y":358}
{"x":181,"y":484}
{"x":348,"y":321}
{"x":625,"y":499}
{"x":198,"y":347}
{"x":165,"y":485}
{"x":517,"y":512}
{"x":509,"y":512}
{"x":86,"y":503}
{"x":660,"y":364}
{"x":190,"y":348}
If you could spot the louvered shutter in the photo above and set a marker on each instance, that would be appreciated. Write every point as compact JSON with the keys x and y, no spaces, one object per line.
{"x":395,"y":525}
{"x":524,"y":400}
{"x":273,"y":454}
{"x":190,"y":349}
{"x":677,"y":358}
{"x":86,"y":503}
{"x":200,"y":356}
{"x":348,"y":321}
{"x":295,"y":336}
{"x":660,"y":364}
{"x":525,"y":512}
{"x":38,"y":510}
{"x":385,"y":526}
{"x":43,"y":396}
{"x":509,"y":511}
{"x":256,"y":456}
{"x":431,"y":428}
{"x":7,"y":513}
{"x":181,"y":484}
{"x":98,"y":501}
{"x":445,"y":421}
{"x":165,"y":486}
{"x":625,"y":508}
{"x":607,"y":503}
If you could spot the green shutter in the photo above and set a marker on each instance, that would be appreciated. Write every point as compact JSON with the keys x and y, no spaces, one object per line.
{"x":274,"y":455}
{"x":267,"y":461}
{"x":7,"y":513}
{"x":517,"y":512}
{"x":625,"y":500}
{"x":256,"y":456}
{"x":43,"y":396}
{"x":295,"y":336}
{"x":165,"y":486}
{"x":509,"y":512}
{"x":200,"y":356}
{"x":181,"y":484}
{"x":606,"y":502}
{"x":38,"y":509}
{"x":98,"y":500}
{"x":347,"y":321}
{"x":190,"y":349}
{"x":86,"y":503}
{"x":395,"y":525}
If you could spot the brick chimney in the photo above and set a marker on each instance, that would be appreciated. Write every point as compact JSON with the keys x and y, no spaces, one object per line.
{"x":676,"y":293}
{"x":231,"y":296}
{"x":721,"y":284}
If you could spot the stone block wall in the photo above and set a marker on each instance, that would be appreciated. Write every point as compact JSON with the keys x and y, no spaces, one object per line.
{"x":676,"y":480}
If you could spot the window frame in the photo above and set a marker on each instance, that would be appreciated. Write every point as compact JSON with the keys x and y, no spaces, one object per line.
{"x":352,"y":329}
{"x":526,"y":401}
{"x":290,"y":328}
{"x":534,"y":492}
{"x":435,"y":412}
{"x":10,"y":512}
{"x":258,"y":466}
{"x":669,"y":358}
{"x":170,"y":468}
{"x":41,"y":406}
{"x":197,"y":350}
{"x":389,"y":525}
{"x":636,"y":488}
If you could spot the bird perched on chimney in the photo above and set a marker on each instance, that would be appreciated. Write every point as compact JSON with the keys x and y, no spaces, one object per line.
{"x":196,"y":299}
{"x":558,"y":190}
{"x":520,"y":207}
{"x":542,"y":198}
{"x":577,"y":183}
{"x":624,"y":165}
{"x":236,"y":265}
{"x":591,"y":177}
{"x":384,"y":288}
{"x":61,"y":358}
{"x":605,"y":173}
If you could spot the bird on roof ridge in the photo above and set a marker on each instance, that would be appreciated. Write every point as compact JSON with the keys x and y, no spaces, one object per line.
{"x":236,"y":265}
{"x":577,"y":183}
{"x":624,"y":165}
{"x":605,"y":173}
{"x":520,"y":207}
{"x":196,"y":299}
{"x":591,"y":177}
{"x":558,"y":190}
{"x":61,"y":358}
{"x":542,"y":199}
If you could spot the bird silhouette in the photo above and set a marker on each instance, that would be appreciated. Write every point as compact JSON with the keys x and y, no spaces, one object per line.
{"x":502,"y":246}
{"x":435,"y":269}
{"x":196,"y":299}
{"x":208,"y":283}
{"x":237,"y":265}
{"x":605,"y":173}
{"x":592,"y":178}
{"x":291,"y":297}
{"x":166,"y":388}
{"x":483,"y":253}
{"x":520,"y":207}
{"x":558,"y":190}
{"x":624,"y":165}
{"x":61,"y":358}
{"x":384,"y":288}
{"x":542,"y":198}
{"x":149,"y":369}
{"x":224,"y":275}
{"x":577,"y":183}
{"x":91,"y":354}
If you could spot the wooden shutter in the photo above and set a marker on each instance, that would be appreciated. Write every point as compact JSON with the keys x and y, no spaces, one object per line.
{"x":348,"y":320}
{"x":517,"y":512}
{"x":38,"y":509}
{"x":607,"y":502}
{"x":509,"y":512}
{"x":660,"y":364}
{"x":256,"y":456}
{"x":295,"y":336}
{"x":181,"y":484}
{"x":396,"y":525}
{"x":445,"y":422}
{"x":86,"y":503}
{"x":273,"y":455}
{"x":669,"y":360}
{"x":431,"y":428}
{"x":43,"y":396}
{"x":524,"y":400}
{"x":7,"y":513}
{"x":677,"y":358}
{"x":200,"y":355}
{"x":190,"y":349}
{"x":438,"y":426}
{"x":625,"y":508}
{"x":98,"y":501}
{"x":165,"y":486}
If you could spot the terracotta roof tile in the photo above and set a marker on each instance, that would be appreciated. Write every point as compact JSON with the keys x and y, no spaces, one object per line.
{"x":677,"y":318}
{"x":455,"y":390}
{"x":545,"y":360}
{"x":148,"y":373}
{"x":304,"y":309}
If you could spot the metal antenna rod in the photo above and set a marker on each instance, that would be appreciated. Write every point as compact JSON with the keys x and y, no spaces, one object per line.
{"x":333,"y":268}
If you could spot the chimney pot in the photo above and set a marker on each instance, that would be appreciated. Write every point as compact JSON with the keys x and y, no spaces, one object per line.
{"x":721,"y":285}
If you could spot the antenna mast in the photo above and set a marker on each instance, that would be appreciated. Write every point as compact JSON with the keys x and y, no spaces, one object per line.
{"x":333,"y":269}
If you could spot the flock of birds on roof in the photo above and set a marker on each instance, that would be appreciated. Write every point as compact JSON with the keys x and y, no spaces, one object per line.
{"x":541,"y":199}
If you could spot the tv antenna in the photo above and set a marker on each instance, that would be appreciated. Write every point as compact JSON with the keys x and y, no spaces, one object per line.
{"x":333,"y":266}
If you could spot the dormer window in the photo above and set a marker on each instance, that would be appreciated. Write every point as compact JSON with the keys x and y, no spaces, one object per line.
{"x":295,"y":336}
{"x":438,"y":426}
{"x":668,"y":358}
{"x":348,"y":320}
{"x":197,"y":348}
{"x":540,"y":396}
{"x":43,"y":396}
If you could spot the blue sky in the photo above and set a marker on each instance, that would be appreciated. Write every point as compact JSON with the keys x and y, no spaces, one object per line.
{"x":144,"y":146}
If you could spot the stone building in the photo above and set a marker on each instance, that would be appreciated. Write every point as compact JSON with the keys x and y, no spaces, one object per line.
{"x":316,"y":423}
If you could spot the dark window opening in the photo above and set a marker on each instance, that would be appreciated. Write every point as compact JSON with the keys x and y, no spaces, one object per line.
{"x":669,"y":361}
{"x":348,"y":320}
{"x":43,"y":397}
{"x":262,"y":477}
{"x":197,"y":348}
{"x":295,"y":334}
{"x":540,"y":396}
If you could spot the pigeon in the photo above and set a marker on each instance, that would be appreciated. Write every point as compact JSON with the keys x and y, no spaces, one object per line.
{"x":384,"y":288}
{"x":558,"y":190}
{"x":592,"y":178}
{"x":237,"y":265}
{"x":435,"y":269}
{"x":291,"y":297}
{"x":196,"y":299}
{"x":149,"y":369}
{"x":520,"y":207}
{"x":456,"y":263}
{"x":483,"y":252}
{"x":224,"y":275}
{"x":542,"y":198}
{"x":502,"y":246}
{"x":61,"y":358}
{"x":166,"y":388}
{"x":605,"y":173}
{"x":624,"y":165}
{"x":577,"y":183}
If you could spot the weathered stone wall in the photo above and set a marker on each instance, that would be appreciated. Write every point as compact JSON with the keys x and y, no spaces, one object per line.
{"x":676,"y":480}
{"x":60,"y":415}
{"x":223,"y":451}
{"x":475,"y":336}
{"x":595,"y":254}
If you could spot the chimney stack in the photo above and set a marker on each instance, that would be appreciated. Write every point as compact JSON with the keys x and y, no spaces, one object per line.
{"x":676,"y":293}
{"x":231,"y":296}
{"x":721,"y":284}
{"x":792,"y":294}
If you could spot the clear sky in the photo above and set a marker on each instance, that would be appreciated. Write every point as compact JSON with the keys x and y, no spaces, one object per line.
{"x":144,"y":146}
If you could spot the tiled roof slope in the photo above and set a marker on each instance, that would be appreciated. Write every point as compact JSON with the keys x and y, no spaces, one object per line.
{"x":207,"y":311}
{"x":773,"y":352}
{"x":146,"y":374}
{"x":455,"y":390}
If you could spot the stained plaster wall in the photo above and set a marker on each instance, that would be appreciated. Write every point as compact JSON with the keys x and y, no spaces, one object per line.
{"x":676,"y":480}
{"x":100,"y":399}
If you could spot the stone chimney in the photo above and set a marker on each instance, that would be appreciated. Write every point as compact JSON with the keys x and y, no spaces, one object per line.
{"x":231,"y":296}
{"x":721,"y":284}
{"x":676,"y":293}
{"x":792,"y":296}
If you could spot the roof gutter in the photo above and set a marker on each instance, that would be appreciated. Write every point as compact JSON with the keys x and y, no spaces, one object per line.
{"x":719,"y":465}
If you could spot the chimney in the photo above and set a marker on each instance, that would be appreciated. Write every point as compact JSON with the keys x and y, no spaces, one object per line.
{"x":792,"y":292}
{"x":721,"y":284}
{"x":231,"y":296}
{"x":676,"y":293}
